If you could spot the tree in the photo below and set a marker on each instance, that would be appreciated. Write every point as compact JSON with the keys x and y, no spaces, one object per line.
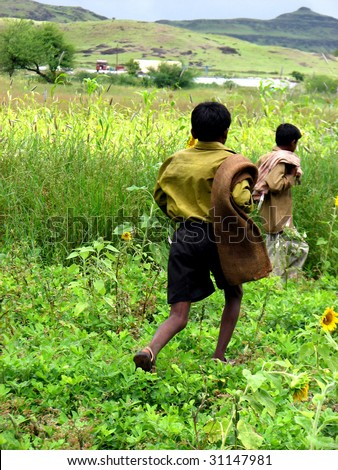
{"x":171,"y":76}
{"x":133,"y":67}
{"x":40,"y":49}
{"x":298,"y":76}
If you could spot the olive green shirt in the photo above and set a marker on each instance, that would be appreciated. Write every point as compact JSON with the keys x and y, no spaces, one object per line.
{"x":183,"y":187}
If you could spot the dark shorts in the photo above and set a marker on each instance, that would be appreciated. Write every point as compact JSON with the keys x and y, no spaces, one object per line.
{"x":193,"y":257}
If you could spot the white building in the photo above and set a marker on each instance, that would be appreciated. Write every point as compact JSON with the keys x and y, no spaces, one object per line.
{"x":145,"y":65}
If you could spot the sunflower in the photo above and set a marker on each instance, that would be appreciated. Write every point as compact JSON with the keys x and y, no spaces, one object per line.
{"x":192,"y":141}
{"x":336,"y":201}
{"x":329,"y":320}
{"x":126,"y":236}
{"x":301,"y":394}
{"x":300,"y":387}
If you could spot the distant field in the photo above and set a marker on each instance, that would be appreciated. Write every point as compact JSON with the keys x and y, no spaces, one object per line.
{"x":24,"y":86}
{"x":119,"y":41}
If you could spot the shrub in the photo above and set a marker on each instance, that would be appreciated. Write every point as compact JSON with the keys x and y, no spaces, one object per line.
{"x":171,"y":76}
{"x":133,"y":67}
{"x":321,"y":84}
{"x":298,"y":76}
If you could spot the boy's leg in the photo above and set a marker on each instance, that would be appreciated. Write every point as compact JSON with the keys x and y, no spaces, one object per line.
{"x":233,"y":297}
{"x":276,"y":247}
{"x":178,"y":319}
{"x":298,"y":251}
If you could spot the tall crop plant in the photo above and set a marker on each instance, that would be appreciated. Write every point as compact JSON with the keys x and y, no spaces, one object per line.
{"x":65,"y":175}
{"x":66,"y":167}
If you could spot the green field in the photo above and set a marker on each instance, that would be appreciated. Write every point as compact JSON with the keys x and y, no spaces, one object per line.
{"x":77,"y":300}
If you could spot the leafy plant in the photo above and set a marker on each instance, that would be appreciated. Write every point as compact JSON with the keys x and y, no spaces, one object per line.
{"x":24,"y":45}
{"x":171,"y":76}
{"x":321,"y":84}
{"x":327,"y":245}
{"x":298,"y":76}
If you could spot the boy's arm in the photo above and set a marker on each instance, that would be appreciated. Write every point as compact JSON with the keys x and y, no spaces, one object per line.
{"x":242,"y":196}
{"x":279,"y":179}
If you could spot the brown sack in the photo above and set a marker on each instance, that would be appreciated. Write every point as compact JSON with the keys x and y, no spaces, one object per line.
{"x":240,"y":244}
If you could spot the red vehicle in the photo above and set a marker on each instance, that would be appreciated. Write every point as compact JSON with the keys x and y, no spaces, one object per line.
{"x":101,"y":65}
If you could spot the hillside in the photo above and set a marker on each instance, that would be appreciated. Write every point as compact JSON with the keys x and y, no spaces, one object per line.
{"x":302,"y":29}
{"x":119,"y":41}
{"x":28,"y":9}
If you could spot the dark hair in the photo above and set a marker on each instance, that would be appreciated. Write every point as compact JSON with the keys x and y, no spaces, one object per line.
{"x":209,"y":121}
{"x":287,"y":133}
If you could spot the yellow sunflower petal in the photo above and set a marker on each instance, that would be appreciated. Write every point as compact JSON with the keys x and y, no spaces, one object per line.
{"x":329,"y":319}
{"x":126,"y":236}
{"x":301,"y":394}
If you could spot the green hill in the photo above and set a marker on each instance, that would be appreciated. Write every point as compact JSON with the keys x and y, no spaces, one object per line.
{"x":302,"y":29}
{"x":28,"y":9}
{"x":118,"y":41}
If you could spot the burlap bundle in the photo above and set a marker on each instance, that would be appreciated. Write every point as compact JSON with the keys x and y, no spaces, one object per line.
{"x":240,"y":244}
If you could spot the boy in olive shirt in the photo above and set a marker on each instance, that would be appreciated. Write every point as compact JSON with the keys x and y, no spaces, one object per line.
{"x":183,"y":192}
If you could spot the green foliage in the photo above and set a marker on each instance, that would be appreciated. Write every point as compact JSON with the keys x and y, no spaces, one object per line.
{"x":132,"y":67}
{"x":321,"y":84}
{"x":171,"y":76}
{"x":91,"y":85}
{"x":23,"y":45}
{"x":124,"y":79}
{"x":68,"y":381}
{"x":298,"y":76}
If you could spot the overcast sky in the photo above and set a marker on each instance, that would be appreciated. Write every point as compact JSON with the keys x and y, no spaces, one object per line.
{"x":152,"y":10}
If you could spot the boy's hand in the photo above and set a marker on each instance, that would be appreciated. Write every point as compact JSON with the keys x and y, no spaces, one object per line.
{"x":293,"y":170}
